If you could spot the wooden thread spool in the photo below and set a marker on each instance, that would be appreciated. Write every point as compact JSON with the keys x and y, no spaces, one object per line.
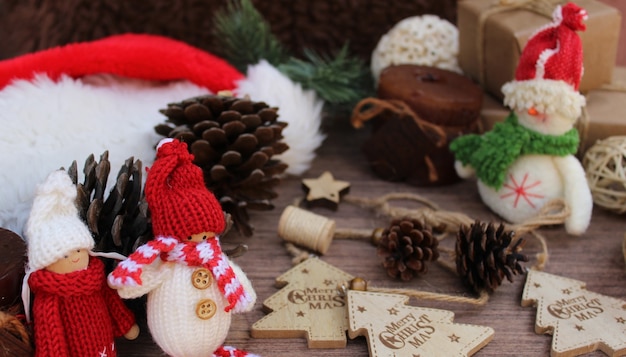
{"x":306,"y":229}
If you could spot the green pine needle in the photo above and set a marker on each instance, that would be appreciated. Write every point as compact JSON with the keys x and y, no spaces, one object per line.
{"x":244,"y":37}
{"x":340,"y":80}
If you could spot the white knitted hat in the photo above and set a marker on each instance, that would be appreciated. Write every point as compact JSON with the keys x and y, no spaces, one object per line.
{"x":53,"y":228}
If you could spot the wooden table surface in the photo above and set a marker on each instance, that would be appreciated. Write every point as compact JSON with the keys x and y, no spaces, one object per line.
{"x":595,"y":258}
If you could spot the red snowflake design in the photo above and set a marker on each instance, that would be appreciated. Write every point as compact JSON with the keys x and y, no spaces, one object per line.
{"x":521,"y":190}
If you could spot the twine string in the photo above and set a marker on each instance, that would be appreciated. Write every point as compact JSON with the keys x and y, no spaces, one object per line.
{"x":370,"y":108}
{"x":430,"y":214}
{"x":11,"y":324}
{"x":481,"y":300}
{"x":553,"y":212}
{"x":298,"y":255}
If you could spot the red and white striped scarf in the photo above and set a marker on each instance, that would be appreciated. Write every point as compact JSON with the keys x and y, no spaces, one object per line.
{"x":207,"y":254}
{"x":228,"y":351}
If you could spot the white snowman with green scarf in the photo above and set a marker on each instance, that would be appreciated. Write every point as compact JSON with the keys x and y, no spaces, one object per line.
{"x":528,"y":160}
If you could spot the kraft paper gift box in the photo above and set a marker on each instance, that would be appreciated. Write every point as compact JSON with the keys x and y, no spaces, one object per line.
{"x":505,"y":31}
{"x":605,"y":117}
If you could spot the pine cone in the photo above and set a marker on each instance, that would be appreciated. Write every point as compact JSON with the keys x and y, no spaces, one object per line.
{"x":121,"y":221}
{"x":233,"y":141}
{"x":484,"y":258}
{"x":406,"y":246}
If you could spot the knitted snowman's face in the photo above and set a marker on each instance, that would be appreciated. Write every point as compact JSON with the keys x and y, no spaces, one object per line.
{"x":200,"y":237}
{"x":545,"y":123}
{"x":72,"y":261}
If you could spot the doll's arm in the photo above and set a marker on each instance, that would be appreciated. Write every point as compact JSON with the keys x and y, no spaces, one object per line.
{"x":151,"y":277}
{"x":577,"y":195}
{"x":464,"y":171}
{"x":49,"y":329}
{"x":247,"y":285}
{"x":122,"y":318}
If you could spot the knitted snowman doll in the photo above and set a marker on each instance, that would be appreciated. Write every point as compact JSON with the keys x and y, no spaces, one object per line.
{"x":75,"y":313}
{"x":192,"y":286}
{"x":528,"y":159}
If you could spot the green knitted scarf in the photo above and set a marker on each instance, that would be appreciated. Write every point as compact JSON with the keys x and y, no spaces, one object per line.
{"x":492,"y":153}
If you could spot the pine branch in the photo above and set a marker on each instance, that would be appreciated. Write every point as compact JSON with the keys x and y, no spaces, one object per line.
{"x":244,"y":37}
{"x":339,"y":80}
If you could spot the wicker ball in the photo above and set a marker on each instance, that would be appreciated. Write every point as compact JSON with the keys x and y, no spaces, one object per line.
{"x":605,"y":166}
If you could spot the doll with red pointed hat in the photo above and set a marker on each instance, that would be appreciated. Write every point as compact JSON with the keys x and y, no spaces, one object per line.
{"x":528,"y":160}
{"x":193,"y":288}
{"x":75,"y":313}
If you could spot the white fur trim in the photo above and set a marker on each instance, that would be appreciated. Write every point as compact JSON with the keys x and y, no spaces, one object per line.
{"x":301,"y":109}
{"x":546,"y":95}
{"x":47,"y":125}
{"x":544,"y":56}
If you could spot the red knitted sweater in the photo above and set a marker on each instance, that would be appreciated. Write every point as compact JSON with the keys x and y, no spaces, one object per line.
{"x":77,"y":314}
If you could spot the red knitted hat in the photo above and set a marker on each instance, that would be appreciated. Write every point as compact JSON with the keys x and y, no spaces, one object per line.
{"x":180,"y":204}
{"x":551,"y":66}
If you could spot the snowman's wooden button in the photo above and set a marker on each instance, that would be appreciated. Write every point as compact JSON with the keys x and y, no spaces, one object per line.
{"x":201,"y":278}
{"x":206,"y":309}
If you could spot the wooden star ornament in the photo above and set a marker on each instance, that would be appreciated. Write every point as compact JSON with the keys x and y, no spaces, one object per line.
{"x":393,"y":328}
{"x":325,"y":191}
{"x":580,"y":321}
{"x":308,"y":305}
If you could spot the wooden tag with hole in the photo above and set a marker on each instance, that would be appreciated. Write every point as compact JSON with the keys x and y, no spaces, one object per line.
{"x":308,"y":305}
{"x":580,"y":321}
{"x":393,"y":328}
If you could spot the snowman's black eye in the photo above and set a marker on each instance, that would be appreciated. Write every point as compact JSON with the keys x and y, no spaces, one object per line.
{"x":189,"y":238}
{"x":203,"y":237}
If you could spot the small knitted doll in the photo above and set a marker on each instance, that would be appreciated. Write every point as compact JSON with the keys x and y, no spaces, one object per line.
{"x":75,"y":313}
{"x":192,"y":286}
{"x":528,"y":159}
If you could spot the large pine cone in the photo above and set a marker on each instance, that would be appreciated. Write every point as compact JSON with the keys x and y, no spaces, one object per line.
{"x":484,"y":258}
{"x":233,"y":141}
{"x":119,"y":222}
{"x":406,"y":246}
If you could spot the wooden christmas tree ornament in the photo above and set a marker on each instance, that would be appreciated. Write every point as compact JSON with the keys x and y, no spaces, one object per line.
{"x":324,"y":191}
{"x":393,"y":328}
{"x":580,"y":321}
{"x":308,"y":305}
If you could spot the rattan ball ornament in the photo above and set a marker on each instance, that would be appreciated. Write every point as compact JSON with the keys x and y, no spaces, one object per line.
{"x":425,"y":40}
{"x":605,"y":167}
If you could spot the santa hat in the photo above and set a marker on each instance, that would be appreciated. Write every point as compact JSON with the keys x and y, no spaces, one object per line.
{"x":178,"y":199}
{"x":550,"y":67}
{"x":54,"y":227}
{"x":66,"y":103}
